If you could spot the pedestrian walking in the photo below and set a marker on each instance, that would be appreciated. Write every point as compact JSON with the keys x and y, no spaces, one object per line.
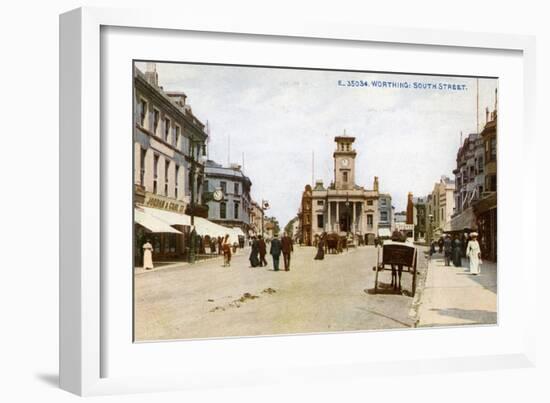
{"x":254,"y":252}
{"x":226,"y":247}
{"x":321,"y":247}
{"x":262,"y":250}
{"x":432,"y":248}
{"x":220,"y":243}
{"x":473,"y":251}
{"x":457,"y":252}
{"x":441,"y":243}
{"x":287,"y":248}
{"x":448,"y":248}
{"x":275,"y":251}
{"x":148,"y":256}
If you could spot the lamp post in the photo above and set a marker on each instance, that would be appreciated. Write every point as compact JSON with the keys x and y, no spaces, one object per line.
{"x":265,"y":206}
{"x":347,"y":220}
{"x":194,"y":145}
{"x":431,"y":217}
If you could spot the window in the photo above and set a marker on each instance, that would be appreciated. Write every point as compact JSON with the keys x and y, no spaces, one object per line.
{"x":143,"y":152}
{"x":382,"y":202}
{"x":171,"y":243}
{"x":383,"y":216}
{"x":491,"y":183}
{"x":176,"y":181}
{"x":236,"y":188}
{"x":345,"y":176}
{"x":166,"y":129}
{"x":176,"y":136}
{"x":142,"y":112}
{"x":156,"y":120}
{"x":480,"y":165}
{"x":155,"y":173}
{"x":493,"y":156}
{"x":369,"y":202}
{"x":206,"y":186}
{"x":166,"y":172}
{"x":236,"y":210}
{"x":320,"y":202}
{"x":369,"y":220}
{"x":223,"y":210}
{"x":320,"y":221}
{"x":223,"y":185}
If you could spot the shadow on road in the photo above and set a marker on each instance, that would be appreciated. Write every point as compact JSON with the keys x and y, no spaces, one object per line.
{"x":387,"y":289}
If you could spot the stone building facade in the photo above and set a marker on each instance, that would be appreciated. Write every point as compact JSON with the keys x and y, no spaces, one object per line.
{"x":234,"y":209}
{"x":169,"y":142}
{"x":343,"y":207}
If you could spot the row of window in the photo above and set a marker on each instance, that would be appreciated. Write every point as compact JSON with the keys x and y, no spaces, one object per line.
{"x":223,"y":186}
{"x":156,"y":190}
{"x":223,"y":210}
{"x":167,"y":130}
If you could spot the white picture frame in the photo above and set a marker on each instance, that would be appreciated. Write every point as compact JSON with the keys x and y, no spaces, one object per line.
{"x":83,"y":306}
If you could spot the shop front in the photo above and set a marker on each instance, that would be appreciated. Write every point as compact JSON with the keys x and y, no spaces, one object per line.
{"x":161,"y":221}
{"x":486,"y":213}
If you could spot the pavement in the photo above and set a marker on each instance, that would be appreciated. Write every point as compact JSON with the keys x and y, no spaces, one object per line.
{"x":206,"y":300}
{"x":451,"y":296}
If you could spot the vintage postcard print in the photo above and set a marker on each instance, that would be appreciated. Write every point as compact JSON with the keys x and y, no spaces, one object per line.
{"x":274,"y":201}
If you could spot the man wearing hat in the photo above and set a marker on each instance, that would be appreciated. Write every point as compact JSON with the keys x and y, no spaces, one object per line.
{"x":473,"y":251}
{"x":275,"y":251}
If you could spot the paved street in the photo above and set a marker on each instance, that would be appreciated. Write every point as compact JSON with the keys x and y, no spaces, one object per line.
{"x":452,"y":296}
{"x":208,"y":300}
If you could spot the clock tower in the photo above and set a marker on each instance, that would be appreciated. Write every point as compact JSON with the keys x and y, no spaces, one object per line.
{"x":344,"y":163}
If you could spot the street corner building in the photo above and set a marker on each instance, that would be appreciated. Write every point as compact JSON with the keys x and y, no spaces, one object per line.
{"x":169,"y":142}
{"x":343,"y":207}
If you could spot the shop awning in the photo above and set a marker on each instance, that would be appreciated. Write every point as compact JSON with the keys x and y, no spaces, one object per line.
{"x":464,"y":221}
{"x":152,"y":223}
{"x":384,"y":232}
{"x":169,"y":217}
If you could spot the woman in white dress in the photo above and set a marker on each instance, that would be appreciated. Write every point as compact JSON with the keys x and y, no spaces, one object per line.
{"x":473,"y":251}
{"x":148,"y":256}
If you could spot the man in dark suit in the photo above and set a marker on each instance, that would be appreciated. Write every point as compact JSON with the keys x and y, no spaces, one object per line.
{"x":287,"y":248}
{"x":262,"y":250}
{"x":275,"y":251}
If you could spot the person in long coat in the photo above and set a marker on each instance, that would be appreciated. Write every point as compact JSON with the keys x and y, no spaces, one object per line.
{"x":321,"y":248}
{"x":457,"y":252}
{"x":148,"y":256}
{"x":254,"y":251}
{"x":288,"y":248}
{"x":448,"y":248}
{"x":275,"y":251}
{"x":473,"y":251}
{"x":262,"y":249}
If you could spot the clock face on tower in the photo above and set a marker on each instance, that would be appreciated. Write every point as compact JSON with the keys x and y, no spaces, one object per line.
{"x":345,"y":162}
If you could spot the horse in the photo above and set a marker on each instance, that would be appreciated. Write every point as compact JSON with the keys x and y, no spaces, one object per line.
{"x":332,"y":243}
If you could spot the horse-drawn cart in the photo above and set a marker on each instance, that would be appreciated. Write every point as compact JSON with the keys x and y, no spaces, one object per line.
{"x":397,"y":255}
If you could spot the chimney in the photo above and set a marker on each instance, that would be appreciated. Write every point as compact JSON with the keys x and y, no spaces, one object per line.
{"x":375,"y":185}
{"x":151,"y":74}
{"x":486,"y":115}
{"x":410,"y":209}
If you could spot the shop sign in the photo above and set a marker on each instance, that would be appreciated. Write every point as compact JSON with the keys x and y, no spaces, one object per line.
{"x":164,"y":203}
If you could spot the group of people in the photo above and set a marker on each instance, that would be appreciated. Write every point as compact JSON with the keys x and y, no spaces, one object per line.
{"x":455,"y":248}
{"x":258,"y":251}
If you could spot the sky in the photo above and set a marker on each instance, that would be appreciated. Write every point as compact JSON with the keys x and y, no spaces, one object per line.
{"x":276,"y":122}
